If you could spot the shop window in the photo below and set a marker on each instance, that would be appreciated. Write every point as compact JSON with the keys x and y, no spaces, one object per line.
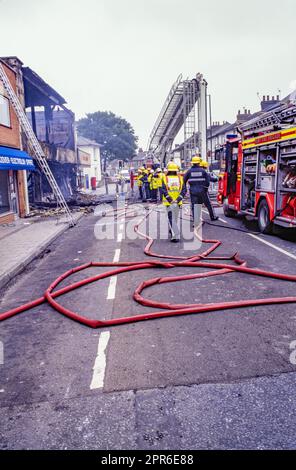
{"x":4,"y":192}
{"x":4,"y":111}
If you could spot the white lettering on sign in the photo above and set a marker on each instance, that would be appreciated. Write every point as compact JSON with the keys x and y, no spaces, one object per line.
{"x":4,"y":159}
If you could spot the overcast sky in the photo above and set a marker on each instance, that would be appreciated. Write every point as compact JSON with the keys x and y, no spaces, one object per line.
{"x":124,"y":55}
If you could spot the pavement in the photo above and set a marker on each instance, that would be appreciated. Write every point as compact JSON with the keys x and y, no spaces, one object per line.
{"x":223,"y":380}
{"x":25,"y":239}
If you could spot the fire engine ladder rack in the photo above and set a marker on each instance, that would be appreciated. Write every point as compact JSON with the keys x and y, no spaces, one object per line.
{"x":280,"y":116}
{"x":37,"y":149}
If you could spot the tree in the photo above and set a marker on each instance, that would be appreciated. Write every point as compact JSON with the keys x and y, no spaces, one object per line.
{"x":114,"y":133}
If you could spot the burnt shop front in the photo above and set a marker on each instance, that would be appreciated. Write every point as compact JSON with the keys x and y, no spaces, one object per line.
{"x":13,"y":163}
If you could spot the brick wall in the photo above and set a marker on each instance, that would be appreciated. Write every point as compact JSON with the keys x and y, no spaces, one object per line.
{"x":10,"y":136}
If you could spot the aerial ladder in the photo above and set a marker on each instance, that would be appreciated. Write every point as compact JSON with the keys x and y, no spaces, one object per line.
{"x":36,"y":147}
{"x":184,"y":106}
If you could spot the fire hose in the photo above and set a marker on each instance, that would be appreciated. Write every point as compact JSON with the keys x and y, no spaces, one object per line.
{"x":216,"y":266}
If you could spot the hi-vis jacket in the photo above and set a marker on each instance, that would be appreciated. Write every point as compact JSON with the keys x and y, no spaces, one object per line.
{"x":150,"y":176}
{"x":157,"y":180}
{"x":139,"y":180}
{"x":172,"y":186}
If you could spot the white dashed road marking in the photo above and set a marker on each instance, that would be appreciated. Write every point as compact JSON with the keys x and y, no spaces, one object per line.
{"x":116,"y":256}
{"x":100,"y":362}
{"x":272,"y":246}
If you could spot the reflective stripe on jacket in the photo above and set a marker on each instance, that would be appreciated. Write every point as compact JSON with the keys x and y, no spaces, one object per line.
{"x":197,"y":178}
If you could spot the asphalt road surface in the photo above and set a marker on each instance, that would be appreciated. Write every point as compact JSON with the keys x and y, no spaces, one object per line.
{"x":223,"y":380}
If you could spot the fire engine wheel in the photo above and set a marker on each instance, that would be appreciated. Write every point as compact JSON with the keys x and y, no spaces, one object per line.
{"x":228,"y":212}
{"x":265,"y":226}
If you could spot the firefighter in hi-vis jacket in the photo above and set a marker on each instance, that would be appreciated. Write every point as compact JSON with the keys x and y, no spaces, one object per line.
{"x":173,"y":191}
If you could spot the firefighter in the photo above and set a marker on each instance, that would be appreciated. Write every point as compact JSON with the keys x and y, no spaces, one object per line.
{"x":172,"y":195}
{"x":146,"y":190}
{"x":156,"y":184}
{"x":150,"y":176}
{"x":140,"y":182}
{"x":199,"y":181}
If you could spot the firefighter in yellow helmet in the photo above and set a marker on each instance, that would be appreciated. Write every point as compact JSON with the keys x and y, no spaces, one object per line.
{"x":149,"y":178}
{"x":173,"y":191}
{"x":204,"y":164}
{"x":156,"y":184}
{"x":140,"y":182}
{"x":199,"y":181}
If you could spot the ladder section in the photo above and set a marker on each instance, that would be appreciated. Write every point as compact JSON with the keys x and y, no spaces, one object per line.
{"x":184,"y":108}
{"x":36,"y":147}
{"x":281,"y":116}
{"x":189,"y":118}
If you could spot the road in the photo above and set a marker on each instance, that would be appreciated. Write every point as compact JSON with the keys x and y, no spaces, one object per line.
{"x":219,"y":380}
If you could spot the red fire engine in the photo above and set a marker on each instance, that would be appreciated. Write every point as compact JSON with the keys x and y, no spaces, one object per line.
{"x":258,"y":170}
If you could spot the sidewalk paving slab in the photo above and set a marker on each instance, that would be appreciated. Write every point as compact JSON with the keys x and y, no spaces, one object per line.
{"x":21,"y":243}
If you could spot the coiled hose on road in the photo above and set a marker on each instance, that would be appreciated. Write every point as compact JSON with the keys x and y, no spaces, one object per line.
{"x":217,"y":266}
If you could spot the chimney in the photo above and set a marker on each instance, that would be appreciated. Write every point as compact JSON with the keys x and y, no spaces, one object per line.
{"x":244,"y":116}
{"x":269,"y":101}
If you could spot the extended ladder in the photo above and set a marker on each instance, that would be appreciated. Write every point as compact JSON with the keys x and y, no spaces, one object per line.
{"x":190,"y":96}
{"x":38,"y":152}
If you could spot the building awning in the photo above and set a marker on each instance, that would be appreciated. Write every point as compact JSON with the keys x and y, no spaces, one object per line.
{"x":13,"y":159}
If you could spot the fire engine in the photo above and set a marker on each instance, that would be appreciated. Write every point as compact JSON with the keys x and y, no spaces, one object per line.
{"x":258,"y":169}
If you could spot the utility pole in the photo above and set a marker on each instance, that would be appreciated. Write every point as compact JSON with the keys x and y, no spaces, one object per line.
{"x":211,"y":130}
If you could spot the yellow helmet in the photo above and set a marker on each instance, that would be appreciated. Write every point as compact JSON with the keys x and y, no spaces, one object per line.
{"x":171,"y":166}
{"x":196,"y":159}
{"x":204,"y":164}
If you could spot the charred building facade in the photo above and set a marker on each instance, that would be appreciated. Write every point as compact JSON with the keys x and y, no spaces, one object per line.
{"x":54,"y":127}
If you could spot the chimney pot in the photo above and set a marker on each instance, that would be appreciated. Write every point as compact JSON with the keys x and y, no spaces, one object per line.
{"x":273,"y":98}
{"x":263,"y":97}
{"x":267,"y":98}
{"x":278,"y":97}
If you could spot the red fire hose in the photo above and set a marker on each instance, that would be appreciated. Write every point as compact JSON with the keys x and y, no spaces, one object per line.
{"x":216,"y":268}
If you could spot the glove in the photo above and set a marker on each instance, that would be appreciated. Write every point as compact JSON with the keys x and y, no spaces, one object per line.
{"x":169,"y":199}
{"x":179,"y":199}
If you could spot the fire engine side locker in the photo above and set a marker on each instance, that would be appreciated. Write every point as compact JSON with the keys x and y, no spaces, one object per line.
{"x":286,"y":151}
{"x":248,"y":153}
{"x":266,"y":183}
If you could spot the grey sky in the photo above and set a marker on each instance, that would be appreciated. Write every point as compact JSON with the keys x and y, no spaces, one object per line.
{"x":123,"y":55}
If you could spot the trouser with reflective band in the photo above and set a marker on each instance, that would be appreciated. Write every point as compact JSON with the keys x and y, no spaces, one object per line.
{"x":173,"y":212}
{"x":197,"y":199}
